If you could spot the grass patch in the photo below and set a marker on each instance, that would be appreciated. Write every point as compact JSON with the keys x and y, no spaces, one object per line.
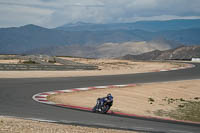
{"x":187,"y":111}
{"x":51,"y":61}
{"x":29,"y":62}
{"x":190,"y":110}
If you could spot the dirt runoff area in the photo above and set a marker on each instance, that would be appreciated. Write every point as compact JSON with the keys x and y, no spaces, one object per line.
{"x":106,"y":67}
{"x":165,"y":100}
{"x":14,"y":61}
{"x":16,"y":125}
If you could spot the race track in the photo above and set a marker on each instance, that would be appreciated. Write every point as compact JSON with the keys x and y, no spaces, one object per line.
{"x":16,"y":100}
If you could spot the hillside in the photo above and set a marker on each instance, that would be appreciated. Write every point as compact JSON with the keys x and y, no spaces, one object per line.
{"x":20,"y":39}
{"x":106,"y":50}
{"x":180,"y":53}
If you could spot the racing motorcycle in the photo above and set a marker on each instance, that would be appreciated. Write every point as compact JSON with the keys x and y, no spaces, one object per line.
{"x":102,"y":106}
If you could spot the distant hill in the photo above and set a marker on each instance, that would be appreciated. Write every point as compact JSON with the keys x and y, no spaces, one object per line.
{"x":106,"y":50}
{"x":178,"y":24}
{"x":19,"y":40}
{"x":180,"y":53}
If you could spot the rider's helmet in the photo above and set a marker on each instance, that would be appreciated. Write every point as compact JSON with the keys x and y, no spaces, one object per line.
{"x":109,"y":96}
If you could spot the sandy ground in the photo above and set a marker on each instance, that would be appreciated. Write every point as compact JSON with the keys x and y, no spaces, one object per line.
{"x":16,"y":125}
{"x":106,"y":67}
{"x":135,"y":100}
{"x":115,"y":65}
{"x":16,"y":61}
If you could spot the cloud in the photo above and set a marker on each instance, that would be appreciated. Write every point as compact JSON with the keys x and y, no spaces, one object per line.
{"x":17,"y":15}
{"x":52,"y":13}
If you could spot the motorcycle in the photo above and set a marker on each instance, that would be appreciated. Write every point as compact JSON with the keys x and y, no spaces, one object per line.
{"x":102,"y":108}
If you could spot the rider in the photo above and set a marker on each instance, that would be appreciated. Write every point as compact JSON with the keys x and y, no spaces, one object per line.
{"x":108,"y":98}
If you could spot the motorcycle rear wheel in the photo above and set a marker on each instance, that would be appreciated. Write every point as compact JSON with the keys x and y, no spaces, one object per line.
{"x":94,"y":109}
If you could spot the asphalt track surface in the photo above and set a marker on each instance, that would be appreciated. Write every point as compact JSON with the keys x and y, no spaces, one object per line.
{"x":16,"y":100}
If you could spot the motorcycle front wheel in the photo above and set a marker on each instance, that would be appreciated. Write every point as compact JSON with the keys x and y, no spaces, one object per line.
{"x":105,"y":109}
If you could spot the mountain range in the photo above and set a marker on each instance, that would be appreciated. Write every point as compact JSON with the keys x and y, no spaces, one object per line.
{"x":34,"y":39}
{"x":141,"y":25}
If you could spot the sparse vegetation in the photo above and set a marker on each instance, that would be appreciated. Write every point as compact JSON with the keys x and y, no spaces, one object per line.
{"x":160,"y":112}
{"x":51,"y":61}
{"x":181,"y":99}
{"x":172,"y":100}
{"x":29,"y":62}
{"x":197,"y":98}
{"x":188,"y":111}
{"x":185,"y":110}
{"x":151,"y":100}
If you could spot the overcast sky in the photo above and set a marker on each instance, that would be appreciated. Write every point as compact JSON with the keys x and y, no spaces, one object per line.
{"x":53,"y":13}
